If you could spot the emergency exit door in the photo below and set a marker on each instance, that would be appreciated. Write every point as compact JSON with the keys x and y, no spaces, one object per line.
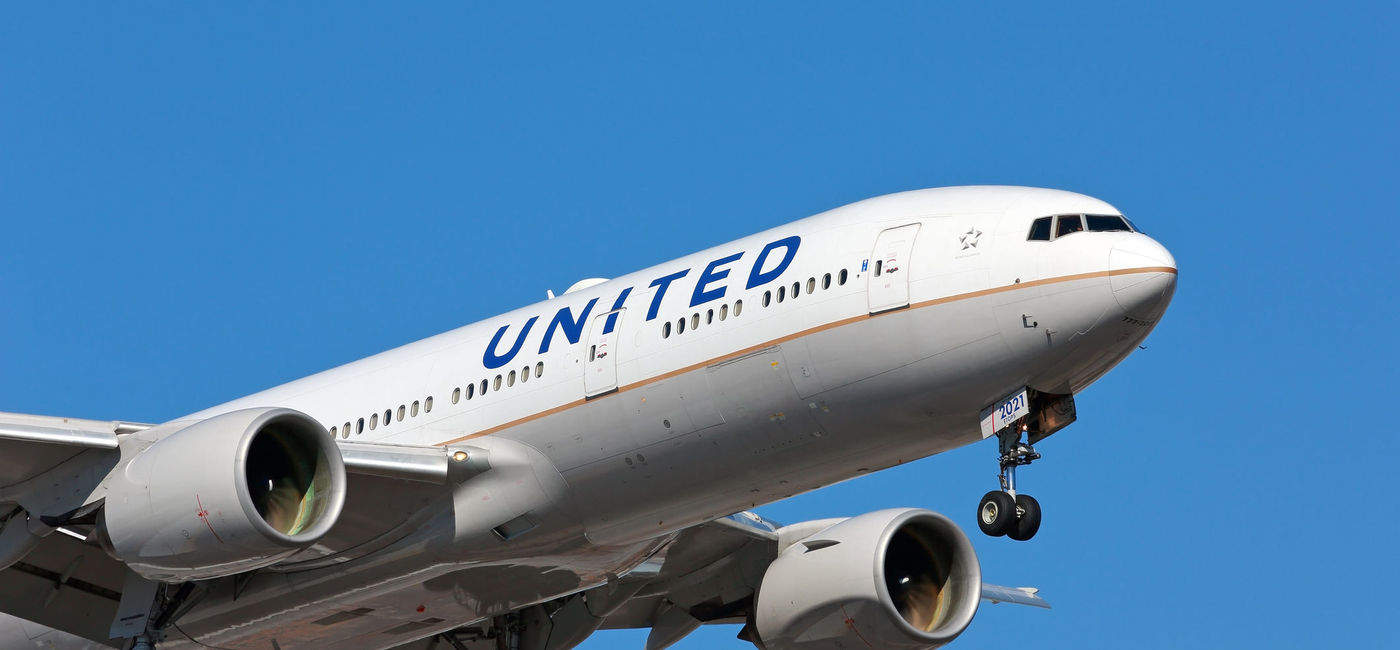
{"x":600,"y":358}
{"x":888,"y":279}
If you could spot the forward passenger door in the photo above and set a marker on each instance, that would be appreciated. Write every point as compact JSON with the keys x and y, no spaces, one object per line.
{"x":888,"y":279}
{"x":600,"y":360}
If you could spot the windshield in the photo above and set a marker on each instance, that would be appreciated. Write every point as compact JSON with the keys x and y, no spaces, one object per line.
{"x":1066,"y":224}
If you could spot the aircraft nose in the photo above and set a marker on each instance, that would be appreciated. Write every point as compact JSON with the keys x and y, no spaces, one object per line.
{"x":1142,"y":274}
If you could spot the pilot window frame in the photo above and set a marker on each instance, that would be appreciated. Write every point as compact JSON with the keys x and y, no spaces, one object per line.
{"x":1084,"y":223}
{"x":1066,"y":219}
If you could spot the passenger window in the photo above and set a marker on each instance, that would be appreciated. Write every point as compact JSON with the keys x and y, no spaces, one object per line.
{"x":666,"y":330}
{"x":826,"y":282}
{"x":709,"y":316}
{"x":332,"y":432}
{"x":483,"y":388}
{"x":345,"y":431}
{"x":811,"y":285}
{"x":767,"y":298}
{"x":388,"y":416}
{"x":1102,"y":223}
{"x":471,"y":390}
{"x":360,"y":426}
{"x":413,"y":410}
{"x":694,"y":321}
{"x":680,"y":326}
{"x":525,"y":374}
{"x":402,"y":409}
{"x":510,"y":379}
{"x":1068,"y":223}
{"x":841,"y":278}
{"x":738,"y":307}
{"x":428,"y":405}
{"x":723,"y":312}
{"x":796,"y":289}
{"x":539,"y":369}
{"x":456,"y":395}
{"x":496,"y":385}
{"x":373,"y":421}
{"x":781,"y":292}
{"x":1040,"y":229}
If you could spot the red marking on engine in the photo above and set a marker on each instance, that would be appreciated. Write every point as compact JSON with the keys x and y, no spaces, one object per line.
{"x":204,"y":516}
{"x":851,"y":623}
{"x":421,"y":609}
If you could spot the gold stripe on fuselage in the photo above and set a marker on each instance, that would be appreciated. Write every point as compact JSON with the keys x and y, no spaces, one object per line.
{"x":797,"y":335}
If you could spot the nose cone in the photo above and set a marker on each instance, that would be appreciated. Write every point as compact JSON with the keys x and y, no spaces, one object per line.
{"x":1143,"y":276}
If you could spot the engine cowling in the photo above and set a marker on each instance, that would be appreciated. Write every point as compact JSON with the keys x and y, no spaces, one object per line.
{"x":232,"y":493}
{"x":903,"y":578}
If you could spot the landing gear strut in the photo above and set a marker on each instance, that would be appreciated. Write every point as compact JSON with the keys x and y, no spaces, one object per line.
{"x":1003,"y":512}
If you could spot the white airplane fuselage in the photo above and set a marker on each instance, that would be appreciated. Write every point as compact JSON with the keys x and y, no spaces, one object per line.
{"x":624,"y":411}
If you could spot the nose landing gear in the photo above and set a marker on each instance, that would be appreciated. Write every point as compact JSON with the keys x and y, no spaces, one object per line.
{"x":1004,"y":512}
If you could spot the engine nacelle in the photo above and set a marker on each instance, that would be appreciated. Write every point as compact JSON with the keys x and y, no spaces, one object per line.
{"x":902,"y":578}
{"x":232,"y":493}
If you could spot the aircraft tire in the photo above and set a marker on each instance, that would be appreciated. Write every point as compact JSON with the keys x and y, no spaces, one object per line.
{"x":1028,"y":522}
{"x":996,"y":513}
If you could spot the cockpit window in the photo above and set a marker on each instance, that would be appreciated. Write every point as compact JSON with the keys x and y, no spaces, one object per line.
{"x":1065,"y":224}
{"x":1068,"y":223}
{"x":1040,"y":229}
{"x":1102,"y":223}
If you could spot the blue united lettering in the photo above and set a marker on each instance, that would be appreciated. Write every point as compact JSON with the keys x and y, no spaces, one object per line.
{"x":710,"y":285}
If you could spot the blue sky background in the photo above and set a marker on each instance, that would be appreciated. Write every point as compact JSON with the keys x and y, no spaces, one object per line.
{"x":199,"y":202}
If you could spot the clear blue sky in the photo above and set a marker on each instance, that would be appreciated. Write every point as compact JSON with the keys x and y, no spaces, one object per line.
{"x":198,"y":203}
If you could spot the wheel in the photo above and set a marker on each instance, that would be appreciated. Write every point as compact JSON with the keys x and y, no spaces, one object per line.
{"x":996,"y":513}
{"x":1028,"y":521}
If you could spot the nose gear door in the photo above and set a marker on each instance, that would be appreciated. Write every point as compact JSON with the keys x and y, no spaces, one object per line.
{"x":888,"y":282}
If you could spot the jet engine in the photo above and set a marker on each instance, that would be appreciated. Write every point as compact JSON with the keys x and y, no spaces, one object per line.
{"x":232,"y":493}
{"x":902,"y":578}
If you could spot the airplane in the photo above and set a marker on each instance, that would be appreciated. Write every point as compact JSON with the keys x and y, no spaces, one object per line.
{"x":592,"y":461}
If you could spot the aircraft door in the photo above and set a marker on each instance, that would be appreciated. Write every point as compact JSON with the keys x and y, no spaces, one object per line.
{"x":600,"y":359}
{"x":888,"y":279}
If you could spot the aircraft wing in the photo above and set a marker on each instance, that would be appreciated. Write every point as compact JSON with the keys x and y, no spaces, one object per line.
{"x":54,"y":580}
{"x":710,"y":573}
{"x":53,"y":570}
{"x":33,"y":444}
